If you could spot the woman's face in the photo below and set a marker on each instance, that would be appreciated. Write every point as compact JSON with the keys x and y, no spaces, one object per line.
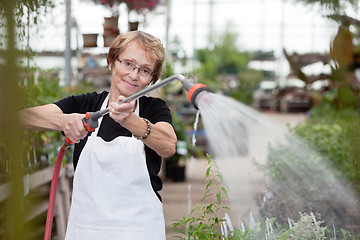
{"x":132,"y":71}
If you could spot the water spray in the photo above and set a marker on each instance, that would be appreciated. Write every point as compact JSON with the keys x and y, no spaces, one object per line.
{"x":90,"y":122}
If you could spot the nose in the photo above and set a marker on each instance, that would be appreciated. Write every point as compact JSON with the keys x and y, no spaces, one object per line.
{"x":137,"y":68}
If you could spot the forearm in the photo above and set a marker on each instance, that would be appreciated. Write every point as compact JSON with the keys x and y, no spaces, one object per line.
{"x":162,"y":138}
{"x":46,"y":117}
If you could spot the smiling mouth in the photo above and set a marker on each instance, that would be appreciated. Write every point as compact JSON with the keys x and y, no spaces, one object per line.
{"x":129,"y":84}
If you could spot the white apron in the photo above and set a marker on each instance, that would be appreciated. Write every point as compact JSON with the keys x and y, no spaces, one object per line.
{"x":112,"y":193}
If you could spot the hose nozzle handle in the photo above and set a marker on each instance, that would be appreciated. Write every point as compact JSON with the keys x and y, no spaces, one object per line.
{"x":90,"y":121}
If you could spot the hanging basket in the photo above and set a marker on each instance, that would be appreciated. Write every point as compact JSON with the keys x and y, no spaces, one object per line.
{"x":90,"y":39}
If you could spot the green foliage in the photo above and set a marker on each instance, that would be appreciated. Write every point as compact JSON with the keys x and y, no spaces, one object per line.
{"x":329,"y":140}
{"x":204,"y":222}
{"x":306,"y":171}
{"x":307,"y":228}
{"x":38,"y":88}
{"x":231,"y":60}
{"x":224,"y":58}
{"x":300,"y":182}
{"x":249,"y":82}
{"x":336,"y":135}
{"x":208,"y":72}
{"x":168,"y":70}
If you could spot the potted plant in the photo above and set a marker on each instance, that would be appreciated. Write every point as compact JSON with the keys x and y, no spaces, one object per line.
{"x":139,"y":7}
{"x":135,"y":7}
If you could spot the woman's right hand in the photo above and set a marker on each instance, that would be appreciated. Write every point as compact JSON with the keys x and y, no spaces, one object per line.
{"x":73,"y":127}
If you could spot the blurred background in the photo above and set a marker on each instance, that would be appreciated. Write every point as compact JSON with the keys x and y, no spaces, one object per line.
{"x":284,"y":58}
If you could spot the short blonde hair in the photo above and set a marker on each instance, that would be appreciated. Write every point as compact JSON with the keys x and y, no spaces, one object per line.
{"x":151,"y":44}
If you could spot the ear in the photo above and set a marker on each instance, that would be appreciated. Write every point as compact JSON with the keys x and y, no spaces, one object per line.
{"x":110,"y":67}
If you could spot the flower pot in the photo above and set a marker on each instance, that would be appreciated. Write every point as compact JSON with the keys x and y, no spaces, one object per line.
{"x":90,"y":39}
{"x":108,"y":39}
{"x":111,"y":24}
{"x":113,"y":31}
{"x":178,"y":173}
{"x":133,"y":26}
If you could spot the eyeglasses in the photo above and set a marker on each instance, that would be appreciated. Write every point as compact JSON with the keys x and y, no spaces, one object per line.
{"x":130,"y":66}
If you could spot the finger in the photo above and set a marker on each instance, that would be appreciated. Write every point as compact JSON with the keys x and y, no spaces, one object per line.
{"x":72,"y":137}
{"x":124,"y":106}
{"x":69,"y":132}
{"x":112,"y":109}
{"x":120,"y":98}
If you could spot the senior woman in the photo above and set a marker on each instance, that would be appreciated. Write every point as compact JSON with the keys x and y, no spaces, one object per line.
{"x":116,"y":182}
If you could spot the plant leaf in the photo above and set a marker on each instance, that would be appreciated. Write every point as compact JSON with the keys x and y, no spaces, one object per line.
{"x":225,"y":192}
{"x":209,"y":184}
{"x":208,"y":172}
{"x":218,"y":196}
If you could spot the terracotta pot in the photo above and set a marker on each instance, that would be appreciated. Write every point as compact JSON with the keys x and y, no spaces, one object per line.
{"x":90,"y":39}
{"x":114,"y":31}
{"x":133,"y":26}
{"x":108,"y":39}
{"x":111,"y":23}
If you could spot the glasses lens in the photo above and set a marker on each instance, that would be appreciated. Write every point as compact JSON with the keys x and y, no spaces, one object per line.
{"x":128,"y":65}
{"x":145,"y":72}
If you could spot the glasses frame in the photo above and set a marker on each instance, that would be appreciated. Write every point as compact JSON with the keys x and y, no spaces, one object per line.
{"x":133,"y":65}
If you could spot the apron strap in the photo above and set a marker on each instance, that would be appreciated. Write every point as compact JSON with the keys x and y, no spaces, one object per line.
{"x":103,"y":106}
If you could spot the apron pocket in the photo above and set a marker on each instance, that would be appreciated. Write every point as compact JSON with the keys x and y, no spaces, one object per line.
{"x":83,"y":232}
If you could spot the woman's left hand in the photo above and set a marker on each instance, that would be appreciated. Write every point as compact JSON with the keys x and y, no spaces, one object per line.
{"x":121,"y":111}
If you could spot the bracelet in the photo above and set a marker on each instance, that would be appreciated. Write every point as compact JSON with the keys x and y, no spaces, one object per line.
{"x":148,"y":130}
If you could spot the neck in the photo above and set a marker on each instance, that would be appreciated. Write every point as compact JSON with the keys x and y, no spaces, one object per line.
{"x":114,"y":94}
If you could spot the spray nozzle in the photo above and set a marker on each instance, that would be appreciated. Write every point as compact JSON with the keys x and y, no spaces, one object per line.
{"x":193,"y":88}
{"x":194,"y":92}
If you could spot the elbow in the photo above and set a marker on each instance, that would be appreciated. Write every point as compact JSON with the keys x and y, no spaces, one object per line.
{"x":170,"y":150}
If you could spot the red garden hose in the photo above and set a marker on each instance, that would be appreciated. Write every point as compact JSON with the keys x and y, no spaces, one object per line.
{"x":54,"y":183}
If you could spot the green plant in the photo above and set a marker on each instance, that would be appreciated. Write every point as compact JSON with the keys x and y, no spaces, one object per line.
{"x":204,"y":222}
{"x":330,"y":140}
{"x":307,"y":228}
{"x":311,"y":165}
{"x":249,"y":82}
{"x":224,"y":58}
{"x":38,"y":87}
{"x":335,"y":134}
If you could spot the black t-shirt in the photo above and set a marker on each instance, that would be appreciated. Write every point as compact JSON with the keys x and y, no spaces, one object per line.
{"x":153,"y":109}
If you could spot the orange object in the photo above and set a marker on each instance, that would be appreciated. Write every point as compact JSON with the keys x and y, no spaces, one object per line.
{"x":193,"y":89}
